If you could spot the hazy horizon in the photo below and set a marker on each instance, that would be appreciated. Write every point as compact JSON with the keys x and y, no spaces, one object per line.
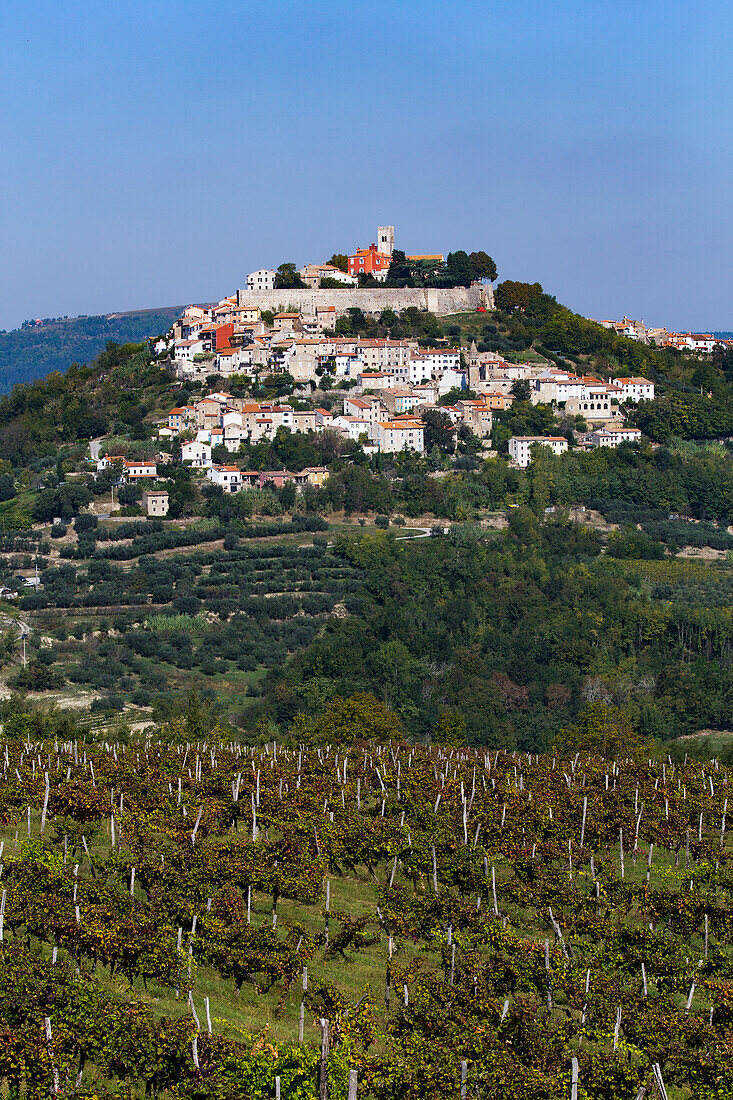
{"x":155,"y":156}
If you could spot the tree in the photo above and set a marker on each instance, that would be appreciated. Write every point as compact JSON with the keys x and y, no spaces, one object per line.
{"x":360,"y":717}
{"x":511,"y":297}
{"x":128,"y":494}
{"x":287,"y":278}
{"x":341,"y":261}
{"x":399,"y":272}
{"x":458,"y":269}
{"x":438,"y":431}
{"x":483,"y":266}
{"x":7,"y":487}
{"x":521,"y":390}
{"x":288,"y":493}
{"x":450,"y":729}
{"x":603,"y":729}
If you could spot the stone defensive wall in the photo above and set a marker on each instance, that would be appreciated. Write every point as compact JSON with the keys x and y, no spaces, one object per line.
{"x":370,"y":299}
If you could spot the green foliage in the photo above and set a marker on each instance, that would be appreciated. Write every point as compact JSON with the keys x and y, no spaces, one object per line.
{"x":340,"y":260}
{"x":516,"y":632}
{"x":34,"y":352}
{"x":601,"y":730}
{"x":287,"y":278}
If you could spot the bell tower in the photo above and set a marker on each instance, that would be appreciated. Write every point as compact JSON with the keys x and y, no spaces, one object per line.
{"x":385,"y":239}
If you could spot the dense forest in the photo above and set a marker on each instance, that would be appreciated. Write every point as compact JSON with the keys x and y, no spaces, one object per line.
{"x":512,"y":634}
{"x":36,"y":349}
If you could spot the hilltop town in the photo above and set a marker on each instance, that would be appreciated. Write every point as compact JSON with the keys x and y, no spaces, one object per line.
{"x":307,"y":333}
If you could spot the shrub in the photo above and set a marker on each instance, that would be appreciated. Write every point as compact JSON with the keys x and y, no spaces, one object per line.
{"x":85,"y":522}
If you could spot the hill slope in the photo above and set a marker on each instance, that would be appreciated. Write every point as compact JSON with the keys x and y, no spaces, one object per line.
{"x":29,"y":353}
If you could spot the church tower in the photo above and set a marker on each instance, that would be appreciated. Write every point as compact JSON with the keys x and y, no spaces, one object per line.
{"x":385,"y":239}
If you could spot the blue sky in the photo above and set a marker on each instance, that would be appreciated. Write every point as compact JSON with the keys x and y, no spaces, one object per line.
{"x":154,"y":151}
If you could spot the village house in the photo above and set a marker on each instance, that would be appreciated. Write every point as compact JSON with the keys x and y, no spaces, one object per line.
{"x":180,"y":418}
{"x":398,"y":401}
{"x":311,"y":274}
{"x":368,"y":261}
{"x":477,"y":416}
{"x":427,"y":392}
{"x":497,"y":402}
{"x":353,"y":427}
{"x":197,"y":454}
{"x":326,"y":318}
{"x":613,"y":437}
{"x":135,"y":468}
{"x":595,"y":400}
{"x":557,"y":386}
{"x":155,"y":502}
{"x":286,"y":322}
{"x":311,"y":475}
{"x":520,"y":447}
{"x":635,"y":389}
{"x":384,"y":354}
{"x":394,"y":436}
{"x":246,"y":315}
{"x":440,"y":359}
{"x":185,"y":350}
{"x":275,"y":479}
{"x":226,"y":477}
{"x":374,"y":380}
{"x":366,"y":407}
{"x":304,"y":420}
{"x":261,"y":280}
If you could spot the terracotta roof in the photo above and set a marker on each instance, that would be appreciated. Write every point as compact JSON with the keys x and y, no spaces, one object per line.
{"x":540,"y":438}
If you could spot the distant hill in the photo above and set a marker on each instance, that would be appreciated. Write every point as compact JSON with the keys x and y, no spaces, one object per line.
{"x":33,"y":351}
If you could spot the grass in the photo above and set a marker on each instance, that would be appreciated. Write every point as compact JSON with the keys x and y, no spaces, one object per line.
{"x":18,"y":512}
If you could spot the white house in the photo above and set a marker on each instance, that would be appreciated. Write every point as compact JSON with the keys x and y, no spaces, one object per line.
{"x":614,"y":437}
{"x":197,"y":454}
{"x":439,"y":359}
{"x":520,"y":447}
{"x":261,"y":280}
{"x":232,"y":431}
{"x":635,"y":389}
{"x":594,"y":402}
{"x":138,"y":467}
{"x":184,"y":350}
{"x":228,"y":477}
{"x":450,"y":379}
{"x":352,"y":426}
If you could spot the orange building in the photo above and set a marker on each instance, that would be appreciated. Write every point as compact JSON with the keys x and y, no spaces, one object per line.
{"x":368,"y":261}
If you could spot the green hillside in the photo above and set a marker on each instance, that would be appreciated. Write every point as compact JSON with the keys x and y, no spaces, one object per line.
{"x":35,"y":350}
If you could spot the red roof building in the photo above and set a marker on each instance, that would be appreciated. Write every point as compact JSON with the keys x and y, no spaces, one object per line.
{"x":367,"y":261}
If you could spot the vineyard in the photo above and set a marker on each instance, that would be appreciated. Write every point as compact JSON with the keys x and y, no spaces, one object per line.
{"x":201,"y":919}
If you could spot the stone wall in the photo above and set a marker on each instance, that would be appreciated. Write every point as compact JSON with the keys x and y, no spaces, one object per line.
{"x":370,"y":299}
